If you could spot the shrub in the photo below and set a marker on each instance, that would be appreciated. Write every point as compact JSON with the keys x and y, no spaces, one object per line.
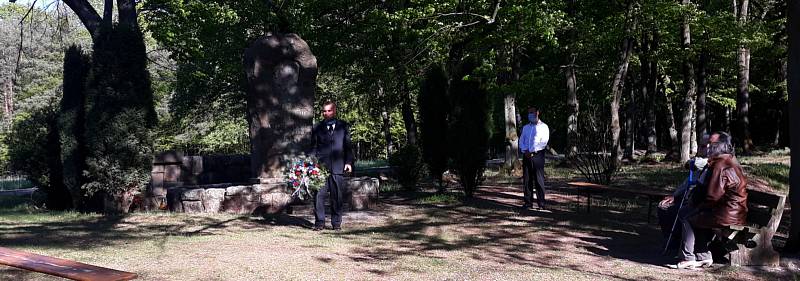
{"x":433,"y":110}
{"x":407,"y":164}
{"x":469,"y":133}
{"x":119,"y":114}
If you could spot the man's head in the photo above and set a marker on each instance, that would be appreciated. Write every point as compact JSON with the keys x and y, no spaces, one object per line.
{"x":719,"y":143}
{"x":533,"y":114}
{"x":329,"y":110}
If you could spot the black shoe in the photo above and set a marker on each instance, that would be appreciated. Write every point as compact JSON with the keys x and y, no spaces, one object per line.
{"x":318,"y":228}
{"x":337,"y":228}
{"x":526,"y":206}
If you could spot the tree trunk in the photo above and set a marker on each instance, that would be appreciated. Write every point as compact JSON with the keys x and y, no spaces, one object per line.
{"x":573,"y":107}
{"x":86,"y":13}
{"x":572,"y":88}
{"x":630,"y":127}
{"x":617,"y":85}
{"x":387,"y":128}
{"x":408,"y":115}
{"x":793,"y":83}
{"x":743,"y":96}
{"x":702,"y":84}
{"x":512,"y":164}
{"x":108,"y":11}
{"x":8,"y":102}
{"x":649,"y":88}
{"x":670,"y":115}
{"x":689,"y":90}
{"x":127,"y":12}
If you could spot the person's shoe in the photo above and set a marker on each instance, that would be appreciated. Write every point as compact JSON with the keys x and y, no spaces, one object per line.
{"x":318,"y":228}
{"x":526,"y":206}
{"x":337,"y":228}
{"x":687,"y":265}
{"x":706,"y":263}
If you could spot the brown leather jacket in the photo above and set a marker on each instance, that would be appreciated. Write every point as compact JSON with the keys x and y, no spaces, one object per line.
{"x":725,"y":197}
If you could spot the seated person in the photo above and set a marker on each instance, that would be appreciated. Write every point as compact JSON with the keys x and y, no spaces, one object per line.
{"x":668,"y":208}
{"x":719,"y":200}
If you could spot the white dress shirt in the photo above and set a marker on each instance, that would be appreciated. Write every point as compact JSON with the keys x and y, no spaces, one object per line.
{"x":534,"y":137}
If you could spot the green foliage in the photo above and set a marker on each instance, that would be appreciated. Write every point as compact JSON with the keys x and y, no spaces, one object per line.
{"x":119,"y":113}
{"x":34,"y":152}
{"x":433,"y":110}
{"x":407,"y":163}
{"x":72,"y":120}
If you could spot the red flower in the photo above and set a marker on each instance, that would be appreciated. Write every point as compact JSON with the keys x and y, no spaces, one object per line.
{"x":296,"y":183}
{"x":297,"y":173}
{"x":314,"y":172}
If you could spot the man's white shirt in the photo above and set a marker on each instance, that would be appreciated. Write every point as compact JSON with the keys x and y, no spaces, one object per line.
{"x":534,"y":137}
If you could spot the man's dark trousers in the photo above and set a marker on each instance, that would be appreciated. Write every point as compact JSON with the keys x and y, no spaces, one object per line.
{"x":333,"y":186}
{"x":533,"y":176}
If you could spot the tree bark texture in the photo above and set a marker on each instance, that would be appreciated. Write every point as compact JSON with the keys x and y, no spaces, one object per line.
{"x":743,"y":93}
{"x":574,"y":108}
{"x":408,"y":114}
{"x":8,"y":101}
{"x":793,"y":80}
{"x":617,"y":85}
{"x":702,"y":90}
{"x":690,"y":90}
{"x":669,"y":114}
{"x":649,"y":87}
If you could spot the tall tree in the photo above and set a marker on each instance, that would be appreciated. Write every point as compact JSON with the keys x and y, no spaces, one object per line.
{"x":689,"y":86}
{"x":618,"y":83}
{"x":509,"y":61}
{"x":741,"y":10}
{"x":793,"y":28}
{"x":572,"y":84}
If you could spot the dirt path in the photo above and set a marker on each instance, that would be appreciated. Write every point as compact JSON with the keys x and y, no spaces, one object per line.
{"x":485,"y":238}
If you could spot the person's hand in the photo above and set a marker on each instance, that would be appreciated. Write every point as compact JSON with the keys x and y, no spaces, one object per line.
{"x":526,"y":154}
{"x":668,"y":199}
{"x":348,"y":168}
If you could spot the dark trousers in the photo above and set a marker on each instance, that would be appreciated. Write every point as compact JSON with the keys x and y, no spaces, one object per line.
{"x":333,"y":186}
{"x":533,"y":176}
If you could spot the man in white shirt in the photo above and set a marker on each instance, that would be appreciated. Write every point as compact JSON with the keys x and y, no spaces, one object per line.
{"x":533,"y":142}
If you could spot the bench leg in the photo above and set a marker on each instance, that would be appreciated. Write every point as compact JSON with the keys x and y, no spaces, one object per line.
{"x":649,"y":209}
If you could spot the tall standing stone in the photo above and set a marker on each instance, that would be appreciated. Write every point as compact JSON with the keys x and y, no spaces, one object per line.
{"x":281,"y":73}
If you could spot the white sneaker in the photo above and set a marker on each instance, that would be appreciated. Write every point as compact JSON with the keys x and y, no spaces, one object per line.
{"x":706,"y":263}
{"x":686,"y":265}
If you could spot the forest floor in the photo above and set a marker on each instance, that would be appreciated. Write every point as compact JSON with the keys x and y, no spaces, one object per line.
{"x":411,"y":235}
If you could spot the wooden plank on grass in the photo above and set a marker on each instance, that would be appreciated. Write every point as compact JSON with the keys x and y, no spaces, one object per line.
{"x":61,"y":267}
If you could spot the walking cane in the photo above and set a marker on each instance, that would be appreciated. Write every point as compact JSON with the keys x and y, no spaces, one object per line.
{"x":689,"y":186}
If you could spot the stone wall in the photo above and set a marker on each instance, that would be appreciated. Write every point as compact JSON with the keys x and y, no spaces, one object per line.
{"x":360,"y":194}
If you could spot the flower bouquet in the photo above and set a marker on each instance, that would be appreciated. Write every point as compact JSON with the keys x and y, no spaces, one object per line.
{"x":304,"y":176}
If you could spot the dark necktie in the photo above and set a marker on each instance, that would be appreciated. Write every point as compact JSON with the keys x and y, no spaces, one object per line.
{"x":330,"y":129}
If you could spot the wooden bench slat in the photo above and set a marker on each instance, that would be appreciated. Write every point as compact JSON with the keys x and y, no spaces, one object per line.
{"x":61,"y":267}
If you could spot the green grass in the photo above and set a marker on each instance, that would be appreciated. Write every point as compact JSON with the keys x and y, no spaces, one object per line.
{"x":447,"y":198}
{"x":776,"y":174}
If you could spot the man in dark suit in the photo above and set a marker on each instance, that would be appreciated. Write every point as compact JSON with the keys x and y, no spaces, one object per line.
{"x":331,"y":138}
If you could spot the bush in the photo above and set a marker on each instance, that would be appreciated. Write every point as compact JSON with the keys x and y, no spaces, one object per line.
{"x":120,"y":115}
{"x":433,"y":110}
{"x":407,"y":164}
{"x":469,"y":133}
{"x":72,"y":121}
{"x":33,"y":150}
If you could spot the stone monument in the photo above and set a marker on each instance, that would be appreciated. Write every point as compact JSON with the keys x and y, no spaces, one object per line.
{"x":282,"y":74}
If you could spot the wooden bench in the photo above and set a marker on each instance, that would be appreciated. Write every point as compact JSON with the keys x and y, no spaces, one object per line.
{"x":751,"y":244}
{"x":61,"y":267}
{"x":587,"y":188}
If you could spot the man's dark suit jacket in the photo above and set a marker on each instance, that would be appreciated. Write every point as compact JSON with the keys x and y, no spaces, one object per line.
{"x":333,"y":150}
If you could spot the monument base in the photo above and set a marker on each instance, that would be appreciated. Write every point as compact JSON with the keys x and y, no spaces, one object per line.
{"x":269,"y":196}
